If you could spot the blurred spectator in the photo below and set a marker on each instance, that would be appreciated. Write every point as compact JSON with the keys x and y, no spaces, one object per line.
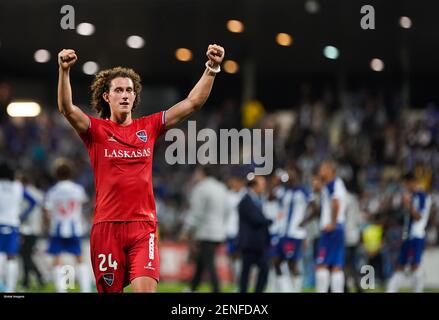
{"x":236,"y":191}
{"x":417,"y":205}
{"x":353,"y":223}
{"x":11,"y":197}
{"x":206,"y":220}
{"x":253,"y":237}
{"x":31,"y":229}
{"x":63,"y":207}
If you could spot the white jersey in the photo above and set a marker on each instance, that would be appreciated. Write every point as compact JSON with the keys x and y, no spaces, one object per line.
{"x":422,"y":204}
{"x":33,"y":224}
{"x":11,"y":196}
{"x":64,"y":202}
{"x":333,"y":190}
{"x":232,"y":215}
{"x":272,"y":211}
{"x":294,"y":205}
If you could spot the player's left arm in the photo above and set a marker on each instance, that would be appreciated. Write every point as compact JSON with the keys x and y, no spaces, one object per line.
{"x":201,"y":91}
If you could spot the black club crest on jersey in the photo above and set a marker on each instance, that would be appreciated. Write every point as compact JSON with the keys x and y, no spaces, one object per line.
{"x":142,"y":135}
{"x":109,"y":278}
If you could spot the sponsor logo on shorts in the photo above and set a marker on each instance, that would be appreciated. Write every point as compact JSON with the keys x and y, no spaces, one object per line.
{"x":151,"y":246}
{"x":109,"y":278}
{"x":321,"y":256}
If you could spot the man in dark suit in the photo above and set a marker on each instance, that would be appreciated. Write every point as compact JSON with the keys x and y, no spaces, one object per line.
{"x":253,"y":236}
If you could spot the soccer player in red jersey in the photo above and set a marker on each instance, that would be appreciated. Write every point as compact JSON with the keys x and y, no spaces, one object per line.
{"x":123,"y":240}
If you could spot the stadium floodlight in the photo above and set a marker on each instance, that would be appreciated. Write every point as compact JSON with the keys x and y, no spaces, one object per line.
{"x":85,"y":29}
{"x":90,"y":67}
{"x":23,"y":109}
{"x":135,"y":42}
{"x":312,"y":6}
{"x":230,"y":66}
{"x":183,"y":54}
{"x":284,"y":39}
{"x":42,"y":56}
{"x":377,"y":65}
{"x":331,"y":52}
{"x":235,"y":26}
{"x":405,"y":22}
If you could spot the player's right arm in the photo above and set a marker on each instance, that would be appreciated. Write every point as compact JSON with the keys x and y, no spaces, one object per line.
{"x":77,"y":118}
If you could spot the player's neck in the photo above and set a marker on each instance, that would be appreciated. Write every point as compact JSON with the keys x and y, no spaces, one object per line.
{"x":122,"y":119}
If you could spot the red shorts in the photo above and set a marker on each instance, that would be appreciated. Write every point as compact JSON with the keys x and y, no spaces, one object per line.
{"x":122,"y":251}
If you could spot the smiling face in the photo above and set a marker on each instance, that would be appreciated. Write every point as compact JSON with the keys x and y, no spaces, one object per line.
{"x":120,"y":96}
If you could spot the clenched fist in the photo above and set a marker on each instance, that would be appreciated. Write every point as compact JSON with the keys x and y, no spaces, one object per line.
{"x":215,"y":53}
{"x":67,"y":58}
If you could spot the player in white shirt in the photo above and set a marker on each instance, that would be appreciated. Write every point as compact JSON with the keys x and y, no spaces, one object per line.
{"x":331,"y":252}
{"x":31,"y":229}
{"x":272,"y":211}
{"x":418,"y":204}
{"x":63,"y":207}
{"x":236,"y":185}
{"x":12,"y":194}
{"x":293,"y":206}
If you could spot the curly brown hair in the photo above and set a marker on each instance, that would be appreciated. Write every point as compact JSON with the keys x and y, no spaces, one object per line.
{"x":102,"y":83}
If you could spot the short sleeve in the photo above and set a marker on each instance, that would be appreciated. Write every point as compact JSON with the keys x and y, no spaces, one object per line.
{"x":87,"y":136}
{"x":157,"y":123}
{"x":339,"y":190}
{"x":330,"y":187}
{"x":421,"y":202}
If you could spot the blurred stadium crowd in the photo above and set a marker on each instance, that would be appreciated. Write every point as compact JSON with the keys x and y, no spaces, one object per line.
{"x":373,"y":141}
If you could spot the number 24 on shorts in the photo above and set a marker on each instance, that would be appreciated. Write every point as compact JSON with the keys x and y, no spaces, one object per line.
{"x":111,"y":263}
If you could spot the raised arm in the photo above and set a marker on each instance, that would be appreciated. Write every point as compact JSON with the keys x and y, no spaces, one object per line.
{"x":77,"y":118}
{"x":199,"y":94}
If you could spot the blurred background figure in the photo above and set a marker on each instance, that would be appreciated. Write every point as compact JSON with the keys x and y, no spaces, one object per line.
{"x":272,"y":210}
{"x":12,"y":194}
{"x":236,"y":185}
{"x":253,"y":237}
{"x":206,"y":224}
{"x":353,"y":224}
{"x":373,"y":244}
{"x":331,"y":254}
{"x":417,"y":204}
{"x":311,"y":223}
{"x":294,"y":204}
{"x":64,"y":210}
{"x":31,"y":230}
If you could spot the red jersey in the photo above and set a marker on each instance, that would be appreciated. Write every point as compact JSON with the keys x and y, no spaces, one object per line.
{"x":121,"y":158}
